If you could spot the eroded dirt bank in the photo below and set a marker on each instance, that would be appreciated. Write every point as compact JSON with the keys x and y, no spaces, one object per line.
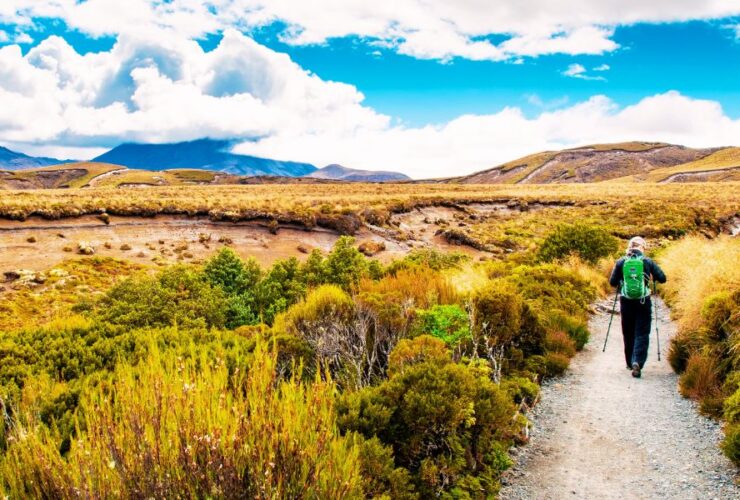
{"x":600,"y":434}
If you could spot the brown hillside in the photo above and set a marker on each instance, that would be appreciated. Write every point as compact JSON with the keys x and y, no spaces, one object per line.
{"x":593,"y":163}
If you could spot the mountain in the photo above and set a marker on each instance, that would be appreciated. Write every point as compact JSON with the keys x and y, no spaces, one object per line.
{"x":205,"y":154}
{"x":12,"y":160}
{"x":340,"y":173}
{"x":595,"y":163}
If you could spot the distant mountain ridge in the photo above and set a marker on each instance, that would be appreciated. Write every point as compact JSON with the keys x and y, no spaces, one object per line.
{"x":207,"y":154}
{"x":12,"y":160}
{"x":594,"y":163}
{"x":338,"y":172}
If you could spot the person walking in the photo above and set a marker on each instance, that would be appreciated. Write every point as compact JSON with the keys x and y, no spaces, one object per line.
{"x":632,"y":274}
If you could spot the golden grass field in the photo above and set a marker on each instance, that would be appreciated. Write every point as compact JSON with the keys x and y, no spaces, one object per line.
{"x":719,"y":199}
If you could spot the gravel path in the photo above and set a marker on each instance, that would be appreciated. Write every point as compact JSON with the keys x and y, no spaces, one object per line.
{"x":599,"y":433}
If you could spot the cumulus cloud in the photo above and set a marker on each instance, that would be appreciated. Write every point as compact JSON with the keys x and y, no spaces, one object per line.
{"x":167,"y":89}
{"x":474,"y":142}
{"x":156,"y":88}
{"x":601,"y":67}
{"x":430,"y":29}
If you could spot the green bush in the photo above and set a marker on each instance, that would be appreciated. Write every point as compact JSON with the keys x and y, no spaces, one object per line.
{"x":720,"y":314}
{"x":448,"y":423}
{"x":176,"y":296}
{"x":449,"y":323}
{"x":731,"y":443}
{"x":590,"y":243}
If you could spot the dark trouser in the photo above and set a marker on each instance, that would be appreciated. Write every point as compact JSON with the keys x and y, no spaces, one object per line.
{"x":636,"y":319}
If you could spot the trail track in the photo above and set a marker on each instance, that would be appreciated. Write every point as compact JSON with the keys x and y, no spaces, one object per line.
{"x":601,"y":434}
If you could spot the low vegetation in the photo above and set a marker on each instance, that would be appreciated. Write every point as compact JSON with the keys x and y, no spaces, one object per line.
{"x":333,"y":377}
{"x":704,"y":293}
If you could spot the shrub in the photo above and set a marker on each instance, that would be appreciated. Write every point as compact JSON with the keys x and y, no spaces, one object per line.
{"x":720,"y":315}
{"x":731,"y":443}
{"x":575,"y":328}
{"x":424,"y":348}
{"x":281,"y":287}
{"x":176,"y":296}
{"x":345,"y":265}
{"x":228,"y":272}
{"x":588,"y":242}
{"x":186,"y":428}
{"x":449,"y":323}
{"x":557,"y":341}
{"x":449,"y":426}
{"x":556,"y":363}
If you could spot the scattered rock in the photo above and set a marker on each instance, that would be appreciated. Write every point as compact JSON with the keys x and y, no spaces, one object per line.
{"x":31,"y":239}
{"x":125,"y":247}
{"x":204,"y":238}
{"x":370,"y":248}
{"x":225,"y":240}
{"x":85,"y":248}
{"x":302,"y":248}
{"x":108,"y":245}
{"x":105,"y":218}
{"x":67,"y":248}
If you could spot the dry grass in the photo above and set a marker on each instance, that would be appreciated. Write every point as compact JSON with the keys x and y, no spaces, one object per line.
{"x":697,"y":268}
{"x":634,"y":146}
{"x":344,"y":198}
{"x":91,"y":169}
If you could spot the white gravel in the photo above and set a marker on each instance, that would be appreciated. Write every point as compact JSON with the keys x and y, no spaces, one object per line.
{"x":600,"y":433}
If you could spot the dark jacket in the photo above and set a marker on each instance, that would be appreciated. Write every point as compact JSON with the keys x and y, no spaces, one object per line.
{"x":652,"y":270}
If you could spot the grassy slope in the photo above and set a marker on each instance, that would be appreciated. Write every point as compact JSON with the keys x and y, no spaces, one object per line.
{"x":93,"y":170}
{"x":725,"y":158}
{"x":537,"y":160}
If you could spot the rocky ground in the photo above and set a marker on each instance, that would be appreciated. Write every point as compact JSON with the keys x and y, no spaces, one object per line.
{"x":600,"y":433}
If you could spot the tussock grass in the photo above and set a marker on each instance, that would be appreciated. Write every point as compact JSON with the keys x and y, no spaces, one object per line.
{"x":697,"y":268}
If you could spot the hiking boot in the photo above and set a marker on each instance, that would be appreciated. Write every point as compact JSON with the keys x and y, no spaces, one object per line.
{"x":636,"y":372}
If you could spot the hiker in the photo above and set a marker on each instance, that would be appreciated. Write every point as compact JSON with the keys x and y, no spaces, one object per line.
{"x":632,"y":273}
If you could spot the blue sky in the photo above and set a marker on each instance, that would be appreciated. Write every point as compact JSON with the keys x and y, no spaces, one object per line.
{"x":380,"y":90}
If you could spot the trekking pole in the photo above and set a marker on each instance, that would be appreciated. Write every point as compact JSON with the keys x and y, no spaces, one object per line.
{"x":657,"y":331}
{"x":614,"y":307}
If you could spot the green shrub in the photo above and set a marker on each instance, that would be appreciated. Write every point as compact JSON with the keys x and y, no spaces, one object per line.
{"x":731,"y":443}
{"x":449,"y":323}
{"x":720,"y":314}
{"x":521,"y":389}
{"x":575,"y":328}
{"x":448,"y":423}
{"x":345,"y":265}
{"x":176,"y":296}
{"x":590,"y":243}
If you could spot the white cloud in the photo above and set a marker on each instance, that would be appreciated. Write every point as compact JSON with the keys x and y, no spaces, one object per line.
{"x":601,"y":67}
{"x":431,"y":29}
{"x":4,"y":36}
{"x":23,"y":39}
{"x":158,"y":88}
{"x":576,"y":70}
{"x":474,"y":142}
{"x":162,"y":89}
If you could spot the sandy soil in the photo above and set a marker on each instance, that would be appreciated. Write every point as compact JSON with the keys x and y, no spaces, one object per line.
{"x":599,"y":433}
{"x":159,"y":236}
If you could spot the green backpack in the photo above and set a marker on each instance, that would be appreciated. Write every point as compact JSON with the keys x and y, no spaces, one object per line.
{"x":633,"y":278}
